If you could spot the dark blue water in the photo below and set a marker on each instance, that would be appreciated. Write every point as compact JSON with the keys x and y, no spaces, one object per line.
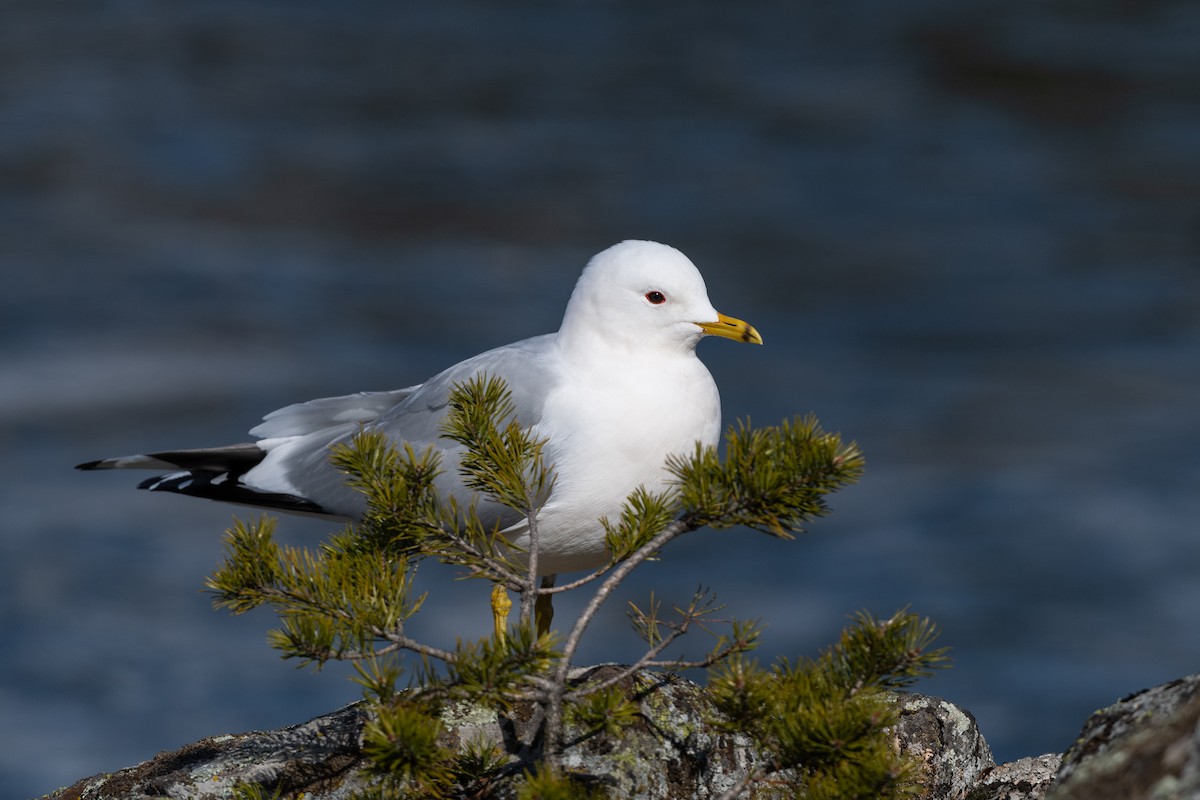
{"x":968,"y":233}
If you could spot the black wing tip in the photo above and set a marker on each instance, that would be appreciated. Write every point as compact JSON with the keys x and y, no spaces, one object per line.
{"x":151,"y":483}
{"x":234,"y":459}
{"x":220,"y":487}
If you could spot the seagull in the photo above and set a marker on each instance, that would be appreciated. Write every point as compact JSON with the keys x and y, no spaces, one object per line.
{"x":614,"y":392}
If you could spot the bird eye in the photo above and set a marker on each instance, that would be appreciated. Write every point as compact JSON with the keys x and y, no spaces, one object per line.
{"x":656,"y":298}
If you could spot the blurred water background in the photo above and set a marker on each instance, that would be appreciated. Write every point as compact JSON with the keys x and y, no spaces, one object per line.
{"x":969,"y":233}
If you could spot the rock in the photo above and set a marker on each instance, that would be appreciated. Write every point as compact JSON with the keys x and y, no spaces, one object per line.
{"x":1144,"y":746}
{"x":947,"y":741}
{"x":320,"y":758}
{"x":1024,"y":779}
{"x":672,"y":752}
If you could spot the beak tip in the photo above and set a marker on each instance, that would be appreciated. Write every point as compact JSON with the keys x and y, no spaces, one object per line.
{"x":731,"y":328}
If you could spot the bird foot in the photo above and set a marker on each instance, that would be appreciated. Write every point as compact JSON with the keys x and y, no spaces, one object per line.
{"x":501,"y":605}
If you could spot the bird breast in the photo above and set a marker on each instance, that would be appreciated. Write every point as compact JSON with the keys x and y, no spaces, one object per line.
{"x":609,"y":434}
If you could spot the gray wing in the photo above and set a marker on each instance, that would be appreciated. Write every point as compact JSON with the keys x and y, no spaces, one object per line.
{"x":303,"y":460}
{"x":304,"y":418}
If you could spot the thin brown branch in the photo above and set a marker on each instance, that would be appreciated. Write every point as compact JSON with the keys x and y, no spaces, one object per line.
{"x":529,"y":588}
{"x":615,"y":577}
{"x":644,"y":661}
{"x":575,"y":584}
{"x":555,"y":699}
{"x":398,"y":641}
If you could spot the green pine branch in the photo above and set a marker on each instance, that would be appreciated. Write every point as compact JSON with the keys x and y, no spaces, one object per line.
{"x":823,"y":719}
{"x":503,"y":460}
{"x":773,"y":479}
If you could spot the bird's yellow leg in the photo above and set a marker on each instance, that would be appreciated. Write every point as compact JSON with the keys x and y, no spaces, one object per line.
{"x":500,"y":608}
{"x":543,"y":608}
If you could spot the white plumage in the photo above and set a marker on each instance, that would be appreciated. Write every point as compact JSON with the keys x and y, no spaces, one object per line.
{"x":615,"y":391}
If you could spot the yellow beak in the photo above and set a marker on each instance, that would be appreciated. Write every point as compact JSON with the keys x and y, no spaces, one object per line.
{"x":731,"y":328}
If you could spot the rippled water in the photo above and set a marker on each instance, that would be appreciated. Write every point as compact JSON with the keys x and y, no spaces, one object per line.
{"x":967,"y":235}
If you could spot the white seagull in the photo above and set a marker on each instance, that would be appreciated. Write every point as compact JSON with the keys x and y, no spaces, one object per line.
{"x":614,"y":392}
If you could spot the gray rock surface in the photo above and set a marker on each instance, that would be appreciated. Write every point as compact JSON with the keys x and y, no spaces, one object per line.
{"x":946,"y":740}
{"x":672,"y":752}
{"x":1144,"y":746}
{"x":319,"y":759}
{"x":1026,"y":778}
